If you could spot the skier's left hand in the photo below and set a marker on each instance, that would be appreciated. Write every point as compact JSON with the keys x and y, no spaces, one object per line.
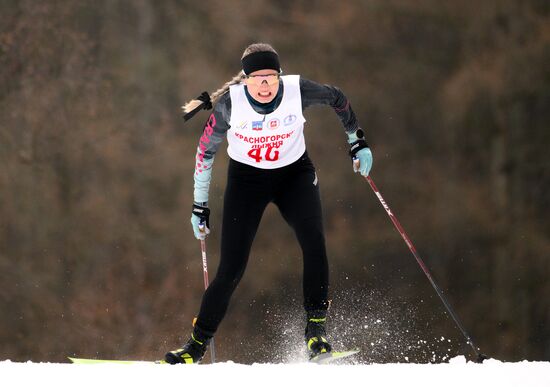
{"x":362,"y":162}
{"x":360,"y":152}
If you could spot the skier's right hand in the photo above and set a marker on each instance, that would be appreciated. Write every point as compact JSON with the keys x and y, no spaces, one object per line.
{"x":200,"y":220}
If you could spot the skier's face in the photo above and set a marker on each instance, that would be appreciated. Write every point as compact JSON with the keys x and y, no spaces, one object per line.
{"x":263,"y":85}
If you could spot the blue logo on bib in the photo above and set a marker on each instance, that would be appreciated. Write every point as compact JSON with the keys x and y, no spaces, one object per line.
{"x":257,"y":125}
{"x":289,"y":120}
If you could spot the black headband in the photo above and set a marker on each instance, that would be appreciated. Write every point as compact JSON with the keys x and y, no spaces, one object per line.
{"x":260,"y":61}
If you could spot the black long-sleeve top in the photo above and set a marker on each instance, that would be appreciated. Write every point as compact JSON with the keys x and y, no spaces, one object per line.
{"x":217,"y":125}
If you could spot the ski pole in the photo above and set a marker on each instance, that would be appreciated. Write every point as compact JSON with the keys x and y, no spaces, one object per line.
{"x":206,"y":283}
{"x":479,"y":356}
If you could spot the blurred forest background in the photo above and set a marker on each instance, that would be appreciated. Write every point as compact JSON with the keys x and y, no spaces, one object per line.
{"x":97,"y":255}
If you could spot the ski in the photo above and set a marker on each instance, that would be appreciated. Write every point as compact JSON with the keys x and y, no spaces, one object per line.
{"x":329,"y":357}
{"x":76,"y":360}
{"x":323,"y":358}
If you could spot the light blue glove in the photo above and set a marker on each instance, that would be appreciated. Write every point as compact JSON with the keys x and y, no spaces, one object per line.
{"x":362,"y":162}
{"x":360,"y":152}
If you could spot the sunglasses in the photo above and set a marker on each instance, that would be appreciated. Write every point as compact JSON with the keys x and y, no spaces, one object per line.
{"x":257,"y":80}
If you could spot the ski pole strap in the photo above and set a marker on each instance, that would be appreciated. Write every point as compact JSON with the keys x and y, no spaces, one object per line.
{"x":357,"y":142}
{"x":206,"y":105}
{"x":357,"y":146}
{"x":203,"y":213}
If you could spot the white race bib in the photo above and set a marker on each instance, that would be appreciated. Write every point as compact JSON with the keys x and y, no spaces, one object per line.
{"x":267,"y":141}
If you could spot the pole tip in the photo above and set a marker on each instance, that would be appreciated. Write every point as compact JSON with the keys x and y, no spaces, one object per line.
{"x":481,"y":358}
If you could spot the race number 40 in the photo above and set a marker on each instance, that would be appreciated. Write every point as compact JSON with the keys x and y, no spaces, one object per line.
{"x":270,"y":154}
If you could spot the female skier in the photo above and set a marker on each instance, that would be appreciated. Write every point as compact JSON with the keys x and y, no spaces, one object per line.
{"x":261,"y":116}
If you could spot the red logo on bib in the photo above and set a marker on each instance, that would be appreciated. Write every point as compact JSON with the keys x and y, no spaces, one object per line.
{"x":274,"y":123}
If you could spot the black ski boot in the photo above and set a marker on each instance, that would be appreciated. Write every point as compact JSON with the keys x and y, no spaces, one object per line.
{"x":316,"y":333}
{"x":192,"y":352}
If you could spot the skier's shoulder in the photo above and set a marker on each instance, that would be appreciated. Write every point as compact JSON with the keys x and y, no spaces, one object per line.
{"x":224,"y":100}
{"x":222,"y":108}
{"x":315,"y":93}
{"x":309,"y":85}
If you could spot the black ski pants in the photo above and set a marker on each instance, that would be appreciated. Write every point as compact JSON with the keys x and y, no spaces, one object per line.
{"x":294,"y":190}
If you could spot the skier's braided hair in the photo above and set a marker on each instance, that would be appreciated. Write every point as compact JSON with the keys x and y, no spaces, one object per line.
{"x":191,"y":107}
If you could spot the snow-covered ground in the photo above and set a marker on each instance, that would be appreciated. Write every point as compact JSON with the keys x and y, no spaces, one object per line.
{"x":457,"y":372}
